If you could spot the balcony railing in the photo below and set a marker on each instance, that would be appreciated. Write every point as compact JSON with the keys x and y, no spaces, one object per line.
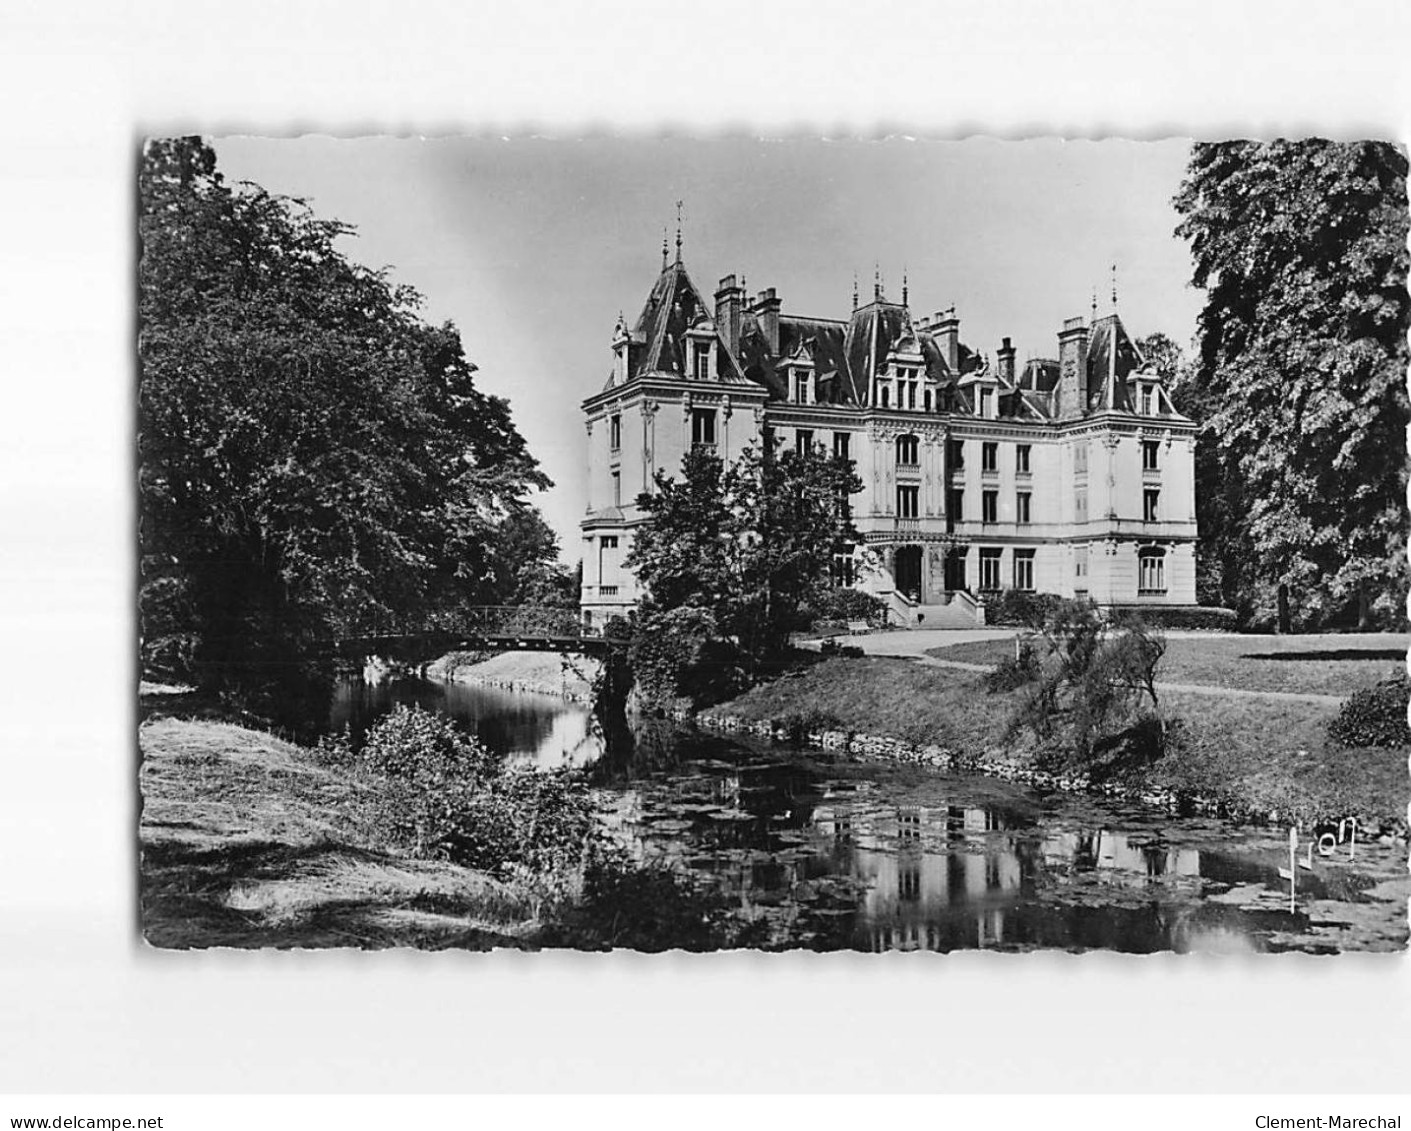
{"x":607,"y":590}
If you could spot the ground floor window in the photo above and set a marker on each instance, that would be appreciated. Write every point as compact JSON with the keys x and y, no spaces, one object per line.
{"x":1080,"y":565}
{"x":1152,"y":572}
{"x":842,"y":570}
{"x":1024,"y":570}
{"x":989,"y":569}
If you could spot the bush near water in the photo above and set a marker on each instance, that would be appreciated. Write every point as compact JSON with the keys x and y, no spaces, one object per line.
{"x":443,"y":795}
{"x":1375,"y":716}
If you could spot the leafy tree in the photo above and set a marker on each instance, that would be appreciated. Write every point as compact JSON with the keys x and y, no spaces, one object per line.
{"x":744,"y":543}
{"x":313,"y":456}
{"x":1300,"y":383}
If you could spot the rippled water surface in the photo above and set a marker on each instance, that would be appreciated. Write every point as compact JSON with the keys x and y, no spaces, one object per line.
{"x":831,"y":853}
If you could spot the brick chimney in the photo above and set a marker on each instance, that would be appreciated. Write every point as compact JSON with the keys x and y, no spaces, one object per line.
{"x":1005,"y":358}
{"x":729,"y":303}
{"x":766,"y":309}
{"x":947,"y":332}
{"x":1072,"y":369}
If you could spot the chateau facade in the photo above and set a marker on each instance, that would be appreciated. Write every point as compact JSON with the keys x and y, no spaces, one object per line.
{"x":1072,"y":474}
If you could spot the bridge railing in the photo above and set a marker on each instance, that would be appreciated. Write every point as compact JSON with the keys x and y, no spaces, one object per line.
{"x":527,"y":621}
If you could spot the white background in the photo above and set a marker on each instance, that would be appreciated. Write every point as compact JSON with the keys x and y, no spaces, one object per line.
{"x":84,"y":1006}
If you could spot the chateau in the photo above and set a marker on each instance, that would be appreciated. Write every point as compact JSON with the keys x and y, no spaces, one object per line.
{"x":1072,"y":474}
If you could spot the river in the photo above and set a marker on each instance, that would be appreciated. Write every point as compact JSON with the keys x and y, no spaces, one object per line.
{"x":829,"y":852}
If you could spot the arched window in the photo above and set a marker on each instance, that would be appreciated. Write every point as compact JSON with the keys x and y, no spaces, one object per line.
{"x":908,"y":450}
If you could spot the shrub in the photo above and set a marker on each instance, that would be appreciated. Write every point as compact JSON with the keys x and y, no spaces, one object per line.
{"x":798,"y":725}
{"x":427,"y":748}
{"x":832,"y":647}
{"x":1374,"y":716}
{"x":443,"y":794}
{"x":1188,"y":617}
{"x":1020,"y":609}
{"x":844,"y":605}
{"x":680,"y":654}
{"x":1095,"y":678}
{"x":1014,"y":671}
{"x":539,"y":820}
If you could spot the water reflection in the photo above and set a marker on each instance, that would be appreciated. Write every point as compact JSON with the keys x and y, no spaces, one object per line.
{"x":542,"y":731}
{"x":826,"y":853}
{"x":835,"y":860}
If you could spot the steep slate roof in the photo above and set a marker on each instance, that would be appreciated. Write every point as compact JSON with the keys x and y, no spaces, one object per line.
{"x":659,"y":334}
{"x":1112,"y":355}
{"x":823,"y":338}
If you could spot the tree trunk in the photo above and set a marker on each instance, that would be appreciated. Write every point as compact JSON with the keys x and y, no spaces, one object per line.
{"x":1364,"y":609}
{"x":1285,"y":622}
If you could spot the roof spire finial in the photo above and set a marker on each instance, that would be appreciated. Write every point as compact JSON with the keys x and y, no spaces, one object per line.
{"x":678,"y":231}
{"x":1094,"y":317}
{"x":1114,"y":287}
{"x":904,"y":288}
{"x":876,"y":281}
{"x":854,"y":289}
{"x":663,"y":247}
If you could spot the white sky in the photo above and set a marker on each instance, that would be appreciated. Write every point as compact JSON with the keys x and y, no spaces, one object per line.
{"x":532,"y":246}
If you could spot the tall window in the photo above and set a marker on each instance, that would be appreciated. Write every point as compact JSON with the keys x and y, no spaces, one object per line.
{"x":1080,"y":457}
{"x":987,"y":403}
{"x":617,"y":488}
{"x":803,"y":441}
{"x":702,"y":426}
{"x":615,"y":432}
{"x":803,"y":385}
{"x":1151,"y":576}
{"x":989,"y":569}
{"x":1021,"y":507}
{"x":955,"y":454}
{"x":1080,"y":504}
{"x":928,"y":400}
{"x":908,"y":499}
{"x":956,"y":503}
{"x":842,"y":445}
{"x":908,"y":451}
{"x":841,"y":571}
{"x":989,"y":456}
{"x":1080,"y":570}
{"x":1024,"y":570}
{"x":1148,"y":400}
{"x":608,"y":564}
{"x":886,"y":395}
{"x":700,"y":361}
{"x":1150,"y":499}
{"x":1151,"y":454}
{"x":989,"y":506}
{"x":1021,"y":459}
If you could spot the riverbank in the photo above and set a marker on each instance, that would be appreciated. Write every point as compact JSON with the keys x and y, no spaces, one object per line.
{"x":1242,"y":757}
{"x":545,"y":673}
{"x":246,"y":841}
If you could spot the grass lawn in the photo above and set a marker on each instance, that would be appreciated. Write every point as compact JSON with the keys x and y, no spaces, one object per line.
{"x":1259,"y":755}
{"x":1317,"y":665}
{"x":246,"y":842}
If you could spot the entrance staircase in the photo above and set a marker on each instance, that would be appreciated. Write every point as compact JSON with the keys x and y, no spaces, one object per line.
{"x":960,"y":612}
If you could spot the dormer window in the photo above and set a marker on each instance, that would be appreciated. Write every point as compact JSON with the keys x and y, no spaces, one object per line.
{"x":986,"y":404}
{"x":802,"y":382}
{"x":1147,"y":400}
{"x":700,"y":361}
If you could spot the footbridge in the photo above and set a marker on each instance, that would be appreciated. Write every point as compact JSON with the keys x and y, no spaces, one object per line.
{"x":499,"y":628}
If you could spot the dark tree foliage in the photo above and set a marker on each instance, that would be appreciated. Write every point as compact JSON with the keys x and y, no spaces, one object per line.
{"x":744,"y":543}
{"x":313,"y":457}
{"x":1300,"y":383}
